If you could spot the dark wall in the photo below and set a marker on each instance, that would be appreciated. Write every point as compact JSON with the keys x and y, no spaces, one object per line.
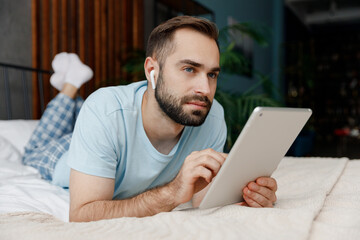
{"x":15,"y":48}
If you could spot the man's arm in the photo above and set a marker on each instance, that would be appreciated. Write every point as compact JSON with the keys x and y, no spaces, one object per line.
{"x":91,"y":196}
{"x":91,"y":200}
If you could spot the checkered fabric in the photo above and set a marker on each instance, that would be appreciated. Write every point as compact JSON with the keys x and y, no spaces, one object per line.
{"x":51,"y":138}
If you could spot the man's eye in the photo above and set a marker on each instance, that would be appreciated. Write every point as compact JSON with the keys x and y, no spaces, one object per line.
{"x":189,"y":69}
{"x":212,"y":75}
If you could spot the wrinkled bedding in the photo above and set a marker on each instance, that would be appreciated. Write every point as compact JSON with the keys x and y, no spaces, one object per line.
{"x":318,"y":198}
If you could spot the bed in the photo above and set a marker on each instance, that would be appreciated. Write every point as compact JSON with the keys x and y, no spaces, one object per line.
{"x":318,"y":198}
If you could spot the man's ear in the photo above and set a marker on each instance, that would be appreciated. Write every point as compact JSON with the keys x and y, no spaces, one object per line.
{"x":151,"y":67}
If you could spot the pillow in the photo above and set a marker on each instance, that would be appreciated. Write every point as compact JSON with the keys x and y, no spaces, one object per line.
{"x":8,"y":153}
{"x":17,"y":132}
{"x":11,"y":164}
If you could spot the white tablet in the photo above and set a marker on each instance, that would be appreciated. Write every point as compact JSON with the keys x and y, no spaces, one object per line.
{"x":261,"y":145}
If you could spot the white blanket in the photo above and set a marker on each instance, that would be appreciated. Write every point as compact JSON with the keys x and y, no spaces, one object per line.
{"x":340,"y":215}
{"x":318,"y":198}
{"x":304,"y":184}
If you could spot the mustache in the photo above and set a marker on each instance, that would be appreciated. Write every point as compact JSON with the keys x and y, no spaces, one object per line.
{"x":203,"y":99}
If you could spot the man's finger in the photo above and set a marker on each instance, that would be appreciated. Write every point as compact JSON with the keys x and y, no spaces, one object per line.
{"x":224,"y":155}
{"x":209,"y":162}
{"x":256,"y":197}
{"x":203,"y":172}
{"x":265,"y":191}
{"x":251,"y":203}
{"x":267,"y":182}
{"x":242,"y":204}
{"x":220,"y":157}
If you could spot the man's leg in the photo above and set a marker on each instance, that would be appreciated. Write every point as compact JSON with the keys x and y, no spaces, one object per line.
{"x":52,"y":136}
{"x":57,"y":119}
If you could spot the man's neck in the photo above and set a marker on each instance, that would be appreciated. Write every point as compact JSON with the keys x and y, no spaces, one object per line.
{"x":162,"y":132}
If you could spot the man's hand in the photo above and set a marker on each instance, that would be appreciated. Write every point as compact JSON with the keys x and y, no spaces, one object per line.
{"x":260,"y":193}
{"x":199,"y":168}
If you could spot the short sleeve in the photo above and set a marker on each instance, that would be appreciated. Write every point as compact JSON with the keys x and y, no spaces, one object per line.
{"x":92,"y":148}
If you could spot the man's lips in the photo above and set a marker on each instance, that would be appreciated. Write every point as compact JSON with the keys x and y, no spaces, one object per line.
{"x":198,"y":104}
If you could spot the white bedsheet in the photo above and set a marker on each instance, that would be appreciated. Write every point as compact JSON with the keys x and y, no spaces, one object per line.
{"x":22,"y":189}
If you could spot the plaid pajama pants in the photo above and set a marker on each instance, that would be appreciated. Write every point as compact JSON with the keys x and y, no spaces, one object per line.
{"x":51,"y":138}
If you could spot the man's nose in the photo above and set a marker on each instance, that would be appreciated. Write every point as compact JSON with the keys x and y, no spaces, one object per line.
{"x":202,"y":85}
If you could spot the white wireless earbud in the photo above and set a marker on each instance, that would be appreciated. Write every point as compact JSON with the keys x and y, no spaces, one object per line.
{"x":152,"y":79}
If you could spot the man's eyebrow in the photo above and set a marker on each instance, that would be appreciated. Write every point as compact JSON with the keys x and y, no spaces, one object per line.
{"x":216,"y":69}
{"x":196,"y":64}
{"x":191,"y":62}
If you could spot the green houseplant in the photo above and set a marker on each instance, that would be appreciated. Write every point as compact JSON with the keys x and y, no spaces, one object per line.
{"x":238,"y":106}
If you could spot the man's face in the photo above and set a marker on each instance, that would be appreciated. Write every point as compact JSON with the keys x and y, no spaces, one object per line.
{"x":186,"y":83}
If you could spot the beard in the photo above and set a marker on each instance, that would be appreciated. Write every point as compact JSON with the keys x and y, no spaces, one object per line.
{"x":173,"y":106}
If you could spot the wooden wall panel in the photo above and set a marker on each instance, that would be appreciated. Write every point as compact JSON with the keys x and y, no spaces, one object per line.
{"x":97,"y":37}
{"x":138,"y":20}
{"x":55,"y":25}
{"x":81,"y":36}
{"x":64,"y":25}
{"x":117,"y":39}
{"x":103,"y":42}
{"x":45,"y":46}
{"x":73,"y":27}
{"x":111,"y":38}
{"x":101,"y":32}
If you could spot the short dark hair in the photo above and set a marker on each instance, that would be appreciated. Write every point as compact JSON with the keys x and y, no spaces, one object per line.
{"x":160,"y":41}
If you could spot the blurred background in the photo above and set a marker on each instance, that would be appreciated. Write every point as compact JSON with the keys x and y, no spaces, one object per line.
{"x":294,"y":53}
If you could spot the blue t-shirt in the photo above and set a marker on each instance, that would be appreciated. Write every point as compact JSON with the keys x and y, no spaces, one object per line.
{"x":109,"y":141}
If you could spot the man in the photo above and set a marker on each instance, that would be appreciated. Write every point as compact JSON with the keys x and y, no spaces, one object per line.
{"x":138,"y":150}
